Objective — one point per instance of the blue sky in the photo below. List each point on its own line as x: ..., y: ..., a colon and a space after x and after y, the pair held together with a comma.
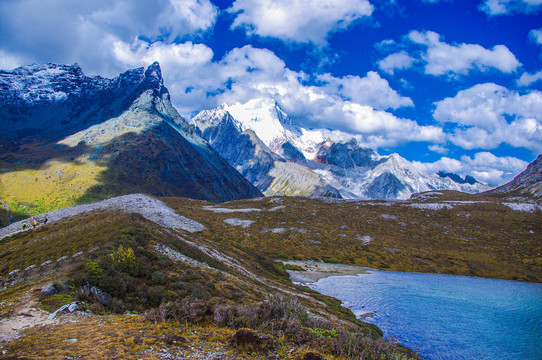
x: 452, y: 85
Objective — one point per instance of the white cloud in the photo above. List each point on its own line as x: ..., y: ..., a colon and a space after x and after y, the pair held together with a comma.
x: 444, y: 59
x: 396, y: 61
x: 10, y: 61
x: 488, y: 115
x: 484, y: 166
x: 67, y: 31
x: 527, y: 79
x: 536, y: 36
x: 300, y: 21
x: 508, y: 7
x: 439, y: 149
x: 346, y: 104
x: 371, y: 90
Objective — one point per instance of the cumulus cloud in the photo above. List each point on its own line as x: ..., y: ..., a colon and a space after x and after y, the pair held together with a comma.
x: 396, y: 61
x: 450, y: 59
x: 487, y: 115
x: 352, y: 104
x: 484, y: 166
x: 527, y: 79
x: 508, y: 7
x: 68, y: 31
x: 438, y: 58
x: 371, y: 90
x: 298, y: 21
x: 10, y: 61
x: 439, y: 149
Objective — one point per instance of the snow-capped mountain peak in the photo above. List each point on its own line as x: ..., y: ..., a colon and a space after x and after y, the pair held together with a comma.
x: 265, y: 117
x: 353, y: 169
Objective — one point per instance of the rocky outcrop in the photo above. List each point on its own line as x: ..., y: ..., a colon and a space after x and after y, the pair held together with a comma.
x: 529, y: 182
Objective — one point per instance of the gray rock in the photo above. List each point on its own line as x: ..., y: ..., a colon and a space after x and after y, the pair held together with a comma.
x: 100, y: 295
x: 48, y: 290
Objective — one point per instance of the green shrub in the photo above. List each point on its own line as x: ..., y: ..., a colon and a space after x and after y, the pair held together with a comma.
x: 93, y: 271
x: 330, y: 333
x: 330, y: 260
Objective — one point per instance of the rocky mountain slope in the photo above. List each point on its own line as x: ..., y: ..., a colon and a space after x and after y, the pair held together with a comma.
x: 529, y: 182
x: 69, y: 138
x: 343, y: 169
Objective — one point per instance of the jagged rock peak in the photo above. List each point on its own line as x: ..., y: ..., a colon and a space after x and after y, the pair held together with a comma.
x: 153, y: 75
x: 45, y: 83
x: 458, y: 179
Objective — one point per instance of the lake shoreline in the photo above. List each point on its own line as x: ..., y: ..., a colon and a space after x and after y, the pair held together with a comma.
x: 314, y: 271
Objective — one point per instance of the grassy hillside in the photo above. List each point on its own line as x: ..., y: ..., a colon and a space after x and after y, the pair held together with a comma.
x: 193, y: 300
x: 452, y: 233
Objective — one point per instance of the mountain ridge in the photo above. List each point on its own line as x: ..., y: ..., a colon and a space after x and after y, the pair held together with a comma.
x: 528, y: 182
x: 71, y: 138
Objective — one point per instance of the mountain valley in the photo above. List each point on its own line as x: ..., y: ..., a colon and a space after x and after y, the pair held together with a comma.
x: 128, y: 232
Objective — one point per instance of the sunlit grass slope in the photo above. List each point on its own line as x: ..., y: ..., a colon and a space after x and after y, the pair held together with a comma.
x: 55, y: 184
x: 454, y: 233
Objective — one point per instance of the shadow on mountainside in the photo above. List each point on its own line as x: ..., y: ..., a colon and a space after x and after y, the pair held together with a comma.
x: 157, y: 161
x: 161, y: 162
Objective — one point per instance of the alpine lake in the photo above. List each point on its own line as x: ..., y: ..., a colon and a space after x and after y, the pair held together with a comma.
x: 446, y: 317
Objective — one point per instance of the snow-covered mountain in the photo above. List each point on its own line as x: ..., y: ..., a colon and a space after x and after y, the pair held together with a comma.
x: 354, y: 170
x: 244, y: 150
x: 105, y: 137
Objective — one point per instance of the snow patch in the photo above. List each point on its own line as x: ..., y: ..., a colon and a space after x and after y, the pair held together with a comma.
x: 365, y: 239
x: 277, y: 208
x: 274, y: 230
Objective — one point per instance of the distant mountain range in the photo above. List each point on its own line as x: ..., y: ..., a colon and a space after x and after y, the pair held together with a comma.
x: 67, y: 138
x: 261, y: 141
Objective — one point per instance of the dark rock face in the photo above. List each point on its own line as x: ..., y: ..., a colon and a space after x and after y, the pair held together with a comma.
x: 291, y: 153
x: 529, y: 182
x: 347, y: 155
x: 467, y: 180
x: 127, y: 124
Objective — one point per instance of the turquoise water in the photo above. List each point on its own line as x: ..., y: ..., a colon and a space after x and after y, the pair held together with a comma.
x: 447, y: 317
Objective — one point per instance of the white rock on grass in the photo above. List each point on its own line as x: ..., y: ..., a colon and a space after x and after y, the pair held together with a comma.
x: 239, y: 222
x: 526, y: 207
x: 227, y: 210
